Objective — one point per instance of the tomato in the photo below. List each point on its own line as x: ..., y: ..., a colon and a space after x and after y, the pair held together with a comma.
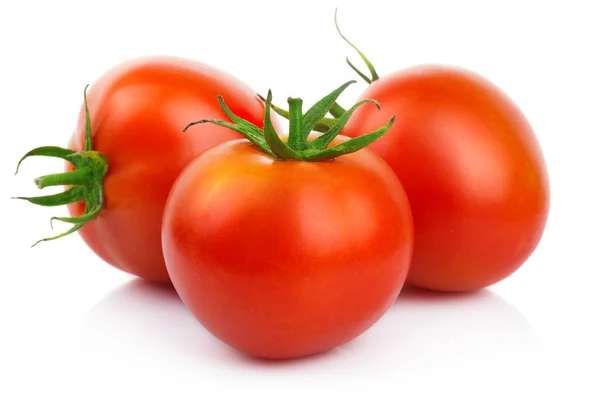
x: 473, y: 171
x: 138, y: 111
x: 286, y: 258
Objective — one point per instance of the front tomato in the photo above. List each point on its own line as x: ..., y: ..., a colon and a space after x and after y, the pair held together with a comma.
x: 282, y: 257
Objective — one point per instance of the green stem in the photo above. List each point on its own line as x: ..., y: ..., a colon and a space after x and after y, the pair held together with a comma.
x: 77, y: 177
x: 322, y: 126
x: 374, y: 75
x: 281, y: 150
x: 88, y: 122
x: 314, y: 119
x: 296, y: 141
x: 337, y: 110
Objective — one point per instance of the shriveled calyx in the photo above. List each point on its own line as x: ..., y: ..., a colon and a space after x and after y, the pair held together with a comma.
x: 85, y: 181
x: 298, y: 147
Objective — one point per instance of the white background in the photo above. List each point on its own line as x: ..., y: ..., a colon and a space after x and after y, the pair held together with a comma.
x: 74, y: 327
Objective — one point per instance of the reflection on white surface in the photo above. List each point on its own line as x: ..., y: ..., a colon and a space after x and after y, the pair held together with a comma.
x: 451, y: 336
x: 140, y: 329
x: 143, y: 331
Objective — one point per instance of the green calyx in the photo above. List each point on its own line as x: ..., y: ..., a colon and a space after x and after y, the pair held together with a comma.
x: 86, y: 181
x: 298, y: 147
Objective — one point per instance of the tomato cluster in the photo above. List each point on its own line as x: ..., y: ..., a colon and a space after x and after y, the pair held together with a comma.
x: 284, y: 244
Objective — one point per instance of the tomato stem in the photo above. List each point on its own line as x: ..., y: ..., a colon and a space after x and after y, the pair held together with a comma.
x: 281, y: 150
x: 88, y: 122
x: 296, y: 140
x: 374, y: 75
x: 337, y: 110
x: 298, y: 147
x: 322, y: 126
x: 86, y: 180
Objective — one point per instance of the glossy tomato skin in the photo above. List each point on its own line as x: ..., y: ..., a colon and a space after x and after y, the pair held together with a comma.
x: 473, y: 171
x: 138, y: 111
x: 282, y: 259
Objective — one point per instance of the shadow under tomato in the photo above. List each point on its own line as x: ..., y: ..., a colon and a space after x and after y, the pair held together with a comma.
x: 450, y: 336
x: 140, y: 328
x: 143, y: 330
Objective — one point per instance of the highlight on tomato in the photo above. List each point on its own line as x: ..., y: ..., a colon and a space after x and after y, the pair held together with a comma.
x: 288, y: 245
x: 471, y: 165
x: 128, y: 149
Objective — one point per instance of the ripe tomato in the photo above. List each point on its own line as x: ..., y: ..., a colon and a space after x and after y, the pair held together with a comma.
x: 282, y: 259
x: 473, y: 171
x: 138, y: 111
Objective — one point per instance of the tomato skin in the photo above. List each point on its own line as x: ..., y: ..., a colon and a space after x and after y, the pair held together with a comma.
x: 473, y: 171
x: 138, y: 111
x: 282, y: 259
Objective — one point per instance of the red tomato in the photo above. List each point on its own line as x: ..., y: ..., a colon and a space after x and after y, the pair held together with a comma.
x: 281, y: 259
x: 138, y: 111
x: 472, y: 169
